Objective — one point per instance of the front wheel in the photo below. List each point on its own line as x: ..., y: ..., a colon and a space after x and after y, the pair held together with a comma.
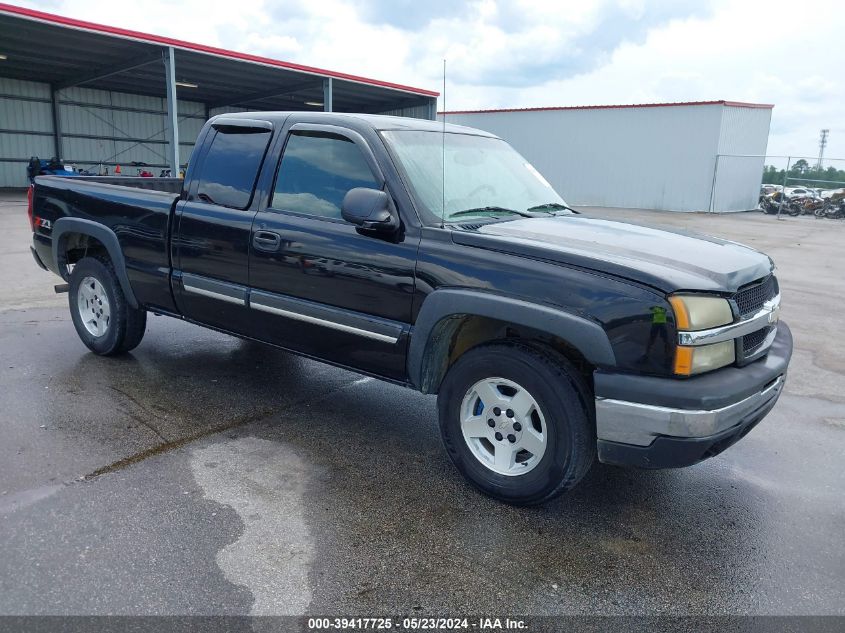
x: 517, y: 422
x: 103, y: 319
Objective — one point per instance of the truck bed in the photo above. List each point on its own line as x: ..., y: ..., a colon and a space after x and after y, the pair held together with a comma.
x: 137, y: 210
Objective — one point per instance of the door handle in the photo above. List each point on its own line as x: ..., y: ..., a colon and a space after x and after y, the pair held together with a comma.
x: 266, y: 241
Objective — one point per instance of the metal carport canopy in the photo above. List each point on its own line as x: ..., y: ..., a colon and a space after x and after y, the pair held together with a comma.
x: 65, y: 52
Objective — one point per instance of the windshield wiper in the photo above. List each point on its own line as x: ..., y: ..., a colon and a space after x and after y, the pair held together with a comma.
x: 489, y: 209
x: 552, y: 206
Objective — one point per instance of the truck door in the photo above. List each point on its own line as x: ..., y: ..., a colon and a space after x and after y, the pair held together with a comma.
x: 317, y: 285
x: 212, y: 231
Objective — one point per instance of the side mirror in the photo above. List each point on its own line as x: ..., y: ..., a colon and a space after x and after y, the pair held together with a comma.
x: 369, y: 210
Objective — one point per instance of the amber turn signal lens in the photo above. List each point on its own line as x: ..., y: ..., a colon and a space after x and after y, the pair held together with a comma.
x: 690, y: 361
x: 683, y: 360
x: 681, y: 314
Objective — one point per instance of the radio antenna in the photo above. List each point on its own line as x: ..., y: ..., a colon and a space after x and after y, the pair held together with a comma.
x: 443, y: 155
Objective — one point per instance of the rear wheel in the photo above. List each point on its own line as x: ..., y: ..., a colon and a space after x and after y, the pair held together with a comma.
x: 103, y: 318
x: 517, y: 422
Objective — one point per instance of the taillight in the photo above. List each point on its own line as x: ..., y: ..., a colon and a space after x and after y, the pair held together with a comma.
x: 30, y: 195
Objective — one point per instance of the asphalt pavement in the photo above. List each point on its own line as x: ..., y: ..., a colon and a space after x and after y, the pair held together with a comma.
x: 202, y: 474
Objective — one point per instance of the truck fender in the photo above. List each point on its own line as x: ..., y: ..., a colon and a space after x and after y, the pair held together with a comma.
x: 440, y: 306
x: 103, y: 234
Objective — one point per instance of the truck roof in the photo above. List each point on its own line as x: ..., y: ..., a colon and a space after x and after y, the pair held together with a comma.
x: 374, y: 121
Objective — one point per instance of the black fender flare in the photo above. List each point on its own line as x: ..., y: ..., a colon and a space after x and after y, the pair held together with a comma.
x: 103, y: 234
x: 585, y: 335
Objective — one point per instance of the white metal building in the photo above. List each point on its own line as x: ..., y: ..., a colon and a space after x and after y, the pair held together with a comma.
x: 97, y: 96
x: 699, y: 156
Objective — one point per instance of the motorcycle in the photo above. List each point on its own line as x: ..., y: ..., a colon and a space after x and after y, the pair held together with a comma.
x: 770, y: 203
x: 804, y: 205
x: 832, y: 209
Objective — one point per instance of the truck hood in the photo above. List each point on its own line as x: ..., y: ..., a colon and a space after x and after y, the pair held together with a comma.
x: 665, y: 259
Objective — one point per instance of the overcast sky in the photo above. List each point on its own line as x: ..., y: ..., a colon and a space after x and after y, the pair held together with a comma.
x: 520, y: 53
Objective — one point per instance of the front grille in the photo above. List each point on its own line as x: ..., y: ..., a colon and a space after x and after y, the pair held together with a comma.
x: 750, y: 299
x: 750, y: 342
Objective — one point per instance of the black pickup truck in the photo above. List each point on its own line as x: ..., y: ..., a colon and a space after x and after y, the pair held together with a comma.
x: 441, y: 260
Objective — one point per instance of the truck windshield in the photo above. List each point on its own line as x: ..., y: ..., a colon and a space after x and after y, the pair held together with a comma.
x: 485, y: 177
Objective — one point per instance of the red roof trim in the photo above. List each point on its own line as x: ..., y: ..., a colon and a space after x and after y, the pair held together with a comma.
x: 201, y: 48
x: 737, y: 104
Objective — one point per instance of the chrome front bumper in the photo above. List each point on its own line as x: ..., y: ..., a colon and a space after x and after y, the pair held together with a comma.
x: 655, y: 422
x: 639, y: 424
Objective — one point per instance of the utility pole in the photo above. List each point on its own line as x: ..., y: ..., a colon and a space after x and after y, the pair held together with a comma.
x: 822, y: 145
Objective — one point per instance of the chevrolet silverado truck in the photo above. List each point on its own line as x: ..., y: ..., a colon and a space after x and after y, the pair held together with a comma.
x: 437, y: 258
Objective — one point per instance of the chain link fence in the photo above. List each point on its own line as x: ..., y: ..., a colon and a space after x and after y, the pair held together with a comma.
x: 735, y: 174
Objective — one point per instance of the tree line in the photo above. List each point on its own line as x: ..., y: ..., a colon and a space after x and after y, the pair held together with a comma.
x: 802, y: 173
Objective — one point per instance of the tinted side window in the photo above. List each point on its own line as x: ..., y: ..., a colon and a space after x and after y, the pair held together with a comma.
x: 317, y: 170
x: 231, y: 167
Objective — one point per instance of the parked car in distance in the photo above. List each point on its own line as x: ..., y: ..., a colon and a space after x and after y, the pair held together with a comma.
x: 550, y: 338
x: 800, y: 192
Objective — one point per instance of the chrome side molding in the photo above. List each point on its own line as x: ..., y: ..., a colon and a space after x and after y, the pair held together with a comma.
x: 298, y: 316
x: 294, y: 308
x: 230, y: 293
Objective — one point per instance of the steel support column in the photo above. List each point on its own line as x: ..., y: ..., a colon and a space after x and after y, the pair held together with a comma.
x: 57, y: 122
x: 172, y: 113
x: 327, y: 94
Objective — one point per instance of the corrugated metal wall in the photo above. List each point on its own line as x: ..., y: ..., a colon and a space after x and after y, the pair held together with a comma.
x: 99, y: 129
x: 649, y: 158
x: 424, y: 111
x: 743, y: 140
x: 646, y: 157
x: 111, y: 128
x: 26, y: 128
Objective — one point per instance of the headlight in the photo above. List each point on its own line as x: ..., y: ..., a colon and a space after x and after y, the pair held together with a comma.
x: 700, y: 312
x: 697, y: 360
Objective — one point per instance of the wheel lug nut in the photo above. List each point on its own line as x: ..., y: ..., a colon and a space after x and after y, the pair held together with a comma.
x: 517, y: 426
x: 497, y: 411
x: 498, y: 436
x: 491, y: 423
x: 512, y: 438
x: 509, y: 413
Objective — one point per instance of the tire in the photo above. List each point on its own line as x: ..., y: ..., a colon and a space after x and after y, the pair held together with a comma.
x: 539, y: 401
x: 104, y: 320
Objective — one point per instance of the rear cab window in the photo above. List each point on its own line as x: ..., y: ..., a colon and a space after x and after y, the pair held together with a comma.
x: 230, y: 167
